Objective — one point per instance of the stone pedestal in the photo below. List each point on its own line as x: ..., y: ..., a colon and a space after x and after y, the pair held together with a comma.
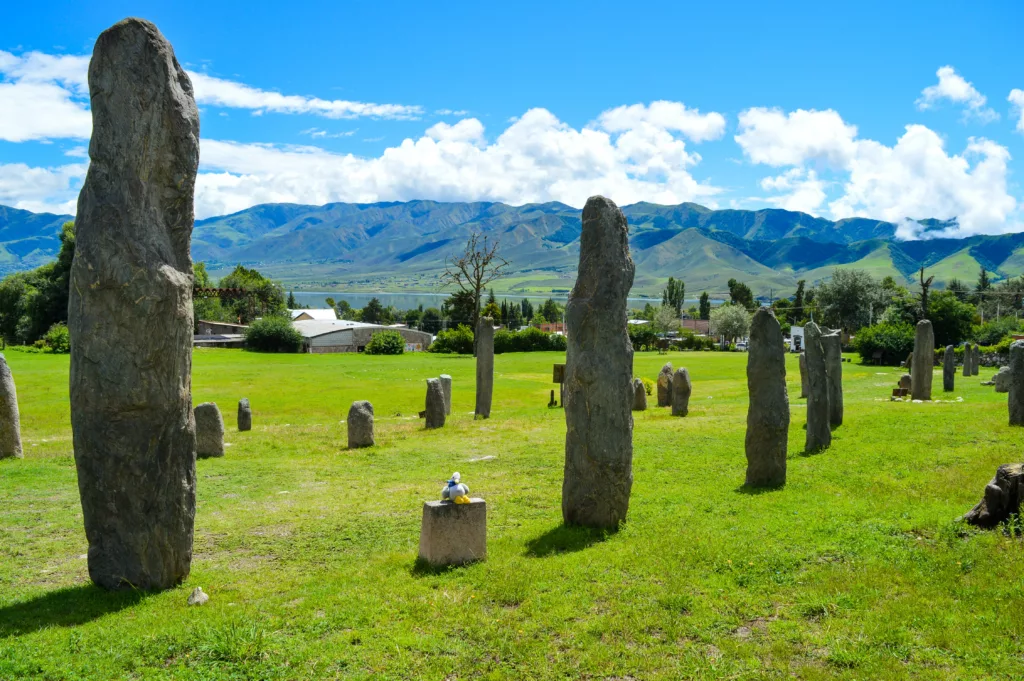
x: 453, y: 534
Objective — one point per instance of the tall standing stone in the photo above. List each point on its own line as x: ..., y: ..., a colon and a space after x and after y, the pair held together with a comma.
x: 446, y: 387
x: 130, y: 314
x: 209, y: 431
x: 244, y: 415
x: 976, y: 360
x: 10, y: 420
x: 831, y: 343
x: 360, y: 425
x: 803, y: 375
x: 924, y: 362
x: 1016, y: 396
x: 639, y: 395
x: 435, y: 403
x: 768, y: 412
x: 484, y: 367
x: 682, y: 388
x: 968, y: 356
x: 819, y: 414
x: 665, y: 385
x: 949, y: 369
x: 598, y: 368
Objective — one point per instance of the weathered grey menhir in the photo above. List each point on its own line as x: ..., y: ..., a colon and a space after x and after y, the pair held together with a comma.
x: 130, y: 313
x: 360, y: 425
x: 1015, y: 399
x: 598, y: 368
x: 819, y: 413
x: 1002, y: 498
x: 244, y: 415
x: 924, y: 361
x: 682, y: 388
x: 803, y: 375
x: 665, y: 385
x: 10, y: 420
x: 434, y: 411
x: 484, y: 367
x: 453, y: 534
x: 949, y: 369
x: 831, y: 343
x: 767, y: 439
x: 639, y: 395
x: 209, y: 431
x: 446, y: 388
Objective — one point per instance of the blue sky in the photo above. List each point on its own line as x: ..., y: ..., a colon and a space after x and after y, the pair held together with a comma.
x: 886, y: 110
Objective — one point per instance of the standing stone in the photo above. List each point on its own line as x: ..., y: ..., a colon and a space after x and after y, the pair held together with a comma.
x: 905, y: 382
x: 598, y: 368
x: 910, y: 363
x: 1016, y: 396
x: 435, y: 403
x: 209, y: 431
x: 976, y: 360
x: 819, y: 433
x: 681, y: 390
x: 639, y: 395
x: 1002, y: 380
x: 360, y: 425
x: 484, y: 367
x: 803, y: 375
x: 949, y: 369
x: 10, y: 421
x: 665, y: 385
x: 244, y: 414
x: 768, y: 412
x: 130, y: 314
x: 1002, y: 498
x: 968, y: 356
x: 924, y: 362
x: 446, y: 386
x: 831, y: 343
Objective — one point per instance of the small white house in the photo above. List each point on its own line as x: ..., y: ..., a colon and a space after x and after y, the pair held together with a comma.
x: 796, y: 339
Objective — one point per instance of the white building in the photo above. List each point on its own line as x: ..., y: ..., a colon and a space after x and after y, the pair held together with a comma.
x: 342, y: 335
x: 319, y: 314
x: 796, y: 339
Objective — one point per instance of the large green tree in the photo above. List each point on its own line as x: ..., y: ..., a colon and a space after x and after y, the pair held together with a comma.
x: 740, y: 294
x: 258, y: 297
x: 705, y: 306
x: 32, y: 302
x: 674, y: 295
x: 845, y: 301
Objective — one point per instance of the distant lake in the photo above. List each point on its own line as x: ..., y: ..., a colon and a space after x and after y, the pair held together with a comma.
x: 405, y: 301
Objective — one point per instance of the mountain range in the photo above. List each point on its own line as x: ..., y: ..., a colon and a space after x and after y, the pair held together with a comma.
x: 403, y: 245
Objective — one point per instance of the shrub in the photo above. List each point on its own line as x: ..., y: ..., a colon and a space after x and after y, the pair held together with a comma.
x: 58, y: 339
x: 527, y: 340
x: 385, y: 343
x: 991, y: 333
x: 458, y: 340
x: 648, y: 386
x: 273, y: 334
x: 894, y: 339
x: 643, y: 337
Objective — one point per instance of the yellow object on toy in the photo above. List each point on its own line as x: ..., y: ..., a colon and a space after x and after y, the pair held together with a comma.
x: 462, y: 499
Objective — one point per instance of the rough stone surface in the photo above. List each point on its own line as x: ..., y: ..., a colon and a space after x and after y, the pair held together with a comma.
x: 768, y: 412
x: 446, y: 387
x: 910, y: 363
x: 130, y: 314
x: 360, y: 425
x: 819, y: 433
x: 803, y: 375
x: 453, y: 534
x: 905, y: 381
x: 484, y: 367
x: 434, y: 412
x: 949, y: 369
x: 976, y: 360
x: 598, y: 370
x: 924, y: 361
x: 198, y: 596
x: 209, y: 431
x: 1016, y: 396
x: 244, y: 414
x: 639, y: 395
x: 831, y: 343
x: 682, y: 388
x: 665, y: 385
x: 10, y: 421
x: 968, y: 358
x: 1002, y: 498
x: 1002, y: 380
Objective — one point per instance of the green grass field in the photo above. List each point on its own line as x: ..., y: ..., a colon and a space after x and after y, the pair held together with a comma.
x: 855, y: 569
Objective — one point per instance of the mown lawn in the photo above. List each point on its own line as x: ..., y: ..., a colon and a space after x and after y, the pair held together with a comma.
x: 855, y: 569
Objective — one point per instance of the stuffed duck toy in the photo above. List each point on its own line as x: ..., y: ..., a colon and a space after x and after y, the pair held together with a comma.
x: 454, y: 490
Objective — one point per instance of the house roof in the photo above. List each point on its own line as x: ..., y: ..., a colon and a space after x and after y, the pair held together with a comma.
x: 310, y: 328
x: 236, y: 326
x: 318, y: 314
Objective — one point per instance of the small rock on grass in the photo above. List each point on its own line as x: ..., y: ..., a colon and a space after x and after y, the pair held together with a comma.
x: 198, y: 596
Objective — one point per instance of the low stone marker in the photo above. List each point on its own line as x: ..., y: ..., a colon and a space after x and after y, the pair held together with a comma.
x: 819, y: 432
x: 1016, y: 396
x: 1002, y: 380
x: 639, y: 395
x: 665, y: 385
x: 244, y: 414
x: 968, y: 356
x: 360, y: 425
x: 949, y: 369
x: 434, y: 413
x: 446, y: 388
x: 484, y: 367
x: 924, y: 361
x: 905, y: 382
x: 1002, y: 498
x: 767, y: 436
x: 682, y: 388
x: 10, y: 421
x: 453, y: 534
x: 803, y: 375
x: 209, y: 431
x: 831, y: 343
x: 976, y: 360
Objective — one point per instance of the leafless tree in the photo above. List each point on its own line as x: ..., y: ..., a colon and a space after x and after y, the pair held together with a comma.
x: 925, y: 285
x: 472, y: 270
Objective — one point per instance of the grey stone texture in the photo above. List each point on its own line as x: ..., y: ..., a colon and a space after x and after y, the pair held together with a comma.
x: 446, y: 387
x: 639, y: 395
x: 803, y: 375
x: 767, y: 437
x: 682, y: 388
x: 831, y: 343
x: 360, y: 425
x: 1016, y: 391
x: 598, y: 389
x: 209, y: 431
x: 1002, y: 380
x: 10, y: 420
x: 949, y: 369
x: 976, y: 360
x: 968, y: 358
x: 1002, y: 497
x: 819, y: 413
x: 434, y: 412
x: 665, y: 385
x: 484, y: 367
x: 244, y: 415
x: 924, y: 361
x: 453, y: 534
x: 130, y: 314
x: 905, y: 381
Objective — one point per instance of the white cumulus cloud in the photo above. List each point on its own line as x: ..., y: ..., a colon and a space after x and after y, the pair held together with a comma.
x: 775, y: 138
x: 1016, y: 100
x: 671, y: 116
x: 952, y: 87
x: 804, y: 192
x: 41, y: 190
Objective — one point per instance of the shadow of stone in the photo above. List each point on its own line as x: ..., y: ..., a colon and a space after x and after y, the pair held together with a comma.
x: 67, y: 607
x: 421, y: 568
x: 754, y: 491
x: 565, y: 539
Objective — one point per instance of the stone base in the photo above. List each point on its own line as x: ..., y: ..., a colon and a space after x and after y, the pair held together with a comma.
x: 453, y: 534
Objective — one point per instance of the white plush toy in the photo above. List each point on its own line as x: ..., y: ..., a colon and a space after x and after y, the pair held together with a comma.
x: 454, y: 490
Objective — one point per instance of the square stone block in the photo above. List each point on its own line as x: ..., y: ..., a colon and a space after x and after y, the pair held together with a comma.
x: 453, y: 534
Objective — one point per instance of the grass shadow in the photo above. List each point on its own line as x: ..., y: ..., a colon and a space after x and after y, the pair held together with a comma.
x: 67, y: 607
x: 754, y: 491
x: 565, y: 539
x: 422, y: 568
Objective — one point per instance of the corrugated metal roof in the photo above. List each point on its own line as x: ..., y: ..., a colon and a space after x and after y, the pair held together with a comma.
x: 318, y: 314
x: 310, y: 328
